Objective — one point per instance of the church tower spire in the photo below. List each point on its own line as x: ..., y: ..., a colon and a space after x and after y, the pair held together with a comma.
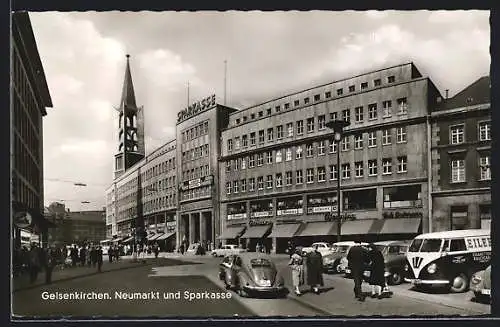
x: 130, y: 127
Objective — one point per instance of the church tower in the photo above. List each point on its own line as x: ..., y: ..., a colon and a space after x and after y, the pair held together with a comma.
x: 130, y: 127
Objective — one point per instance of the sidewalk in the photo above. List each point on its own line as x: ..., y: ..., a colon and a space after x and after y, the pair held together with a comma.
x: 68, y: 273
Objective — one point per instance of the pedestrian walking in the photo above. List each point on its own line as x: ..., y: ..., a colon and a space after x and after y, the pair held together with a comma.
x: 377, y: 271
x: 49, y: 264
x: 314, y: 264
x: 356, y: 259
x: 34, y: 262
x: 93, y: 256
x: 99, y: 259
x: 83, y: 253
x: 157, y: 250
x: 181, y: 248
x: 296, y: 263
x: 111, y: 254
x: 74, y: 256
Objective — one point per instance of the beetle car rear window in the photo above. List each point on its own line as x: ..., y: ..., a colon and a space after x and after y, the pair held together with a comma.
x: 260, y: 263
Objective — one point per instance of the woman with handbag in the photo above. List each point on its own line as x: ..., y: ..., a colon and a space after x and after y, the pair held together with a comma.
x: 296, y: 263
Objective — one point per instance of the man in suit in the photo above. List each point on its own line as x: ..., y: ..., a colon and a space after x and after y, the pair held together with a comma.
x: 99, y: 258
x: 357, y: 258
x: 314, y: 265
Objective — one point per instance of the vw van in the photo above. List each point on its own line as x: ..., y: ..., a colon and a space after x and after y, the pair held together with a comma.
x: 448, y: 259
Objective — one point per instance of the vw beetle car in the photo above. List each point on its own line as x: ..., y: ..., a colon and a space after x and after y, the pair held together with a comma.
x: 394, y: 253
x: 251, y: 273
x: 480, y: 284
x: 227, y: 250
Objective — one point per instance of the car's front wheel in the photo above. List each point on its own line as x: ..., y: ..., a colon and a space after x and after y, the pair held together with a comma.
x: 242, y: 292
x: 459, y: 284
x: 395, y: 278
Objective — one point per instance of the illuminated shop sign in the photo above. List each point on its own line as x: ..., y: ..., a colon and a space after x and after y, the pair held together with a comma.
x: 286, y: 212
x: 203, y: 181
x: 478, y: 243
x: 196, y: 108
x: 322, y: 209
x: 237, y: 216
x: 260, y: 214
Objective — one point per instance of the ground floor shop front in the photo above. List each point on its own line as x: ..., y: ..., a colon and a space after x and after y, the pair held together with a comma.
x: 275, y: 237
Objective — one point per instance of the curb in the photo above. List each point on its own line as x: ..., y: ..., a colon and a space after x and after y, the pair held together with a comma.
x: 79, y: 276
x: 304, y: 303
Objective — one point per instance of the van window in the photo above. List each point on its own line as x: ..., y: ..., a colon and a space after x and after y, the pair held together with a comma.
x: 431, y: 245
x: 457, y: 245
x: 415, y: 245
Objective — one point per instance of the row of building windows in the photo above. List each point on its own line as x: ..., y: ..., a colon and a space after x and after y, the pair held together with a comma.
x: 320, y: 148
x: 288, y: 129
x: 195, y: 131
x: 162, y: 168
x: 167, y: 184
x: 25, y: 165
x: 160, y: 203
x: 25, y: 195
x: 196, y: 153
x: 26, y: 129
x: 197, y: 172
x: 317, y: 97
x: 457, y: 132
x: 319, y: 174
x: 195, y: 193
x: 458, y: 169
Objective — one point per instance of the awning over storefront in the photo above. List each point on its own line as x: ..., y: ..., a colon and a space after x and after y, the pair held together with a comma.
x: 119, y: 239
x: 256, y: 231
x: 284, y: 230
x: 165, y: 236
x: 154, y: 236
x: 362, y: 227
x: 401, y: 226
x: 231, y: 232
x: 319, y: 228
x: 128, y: 239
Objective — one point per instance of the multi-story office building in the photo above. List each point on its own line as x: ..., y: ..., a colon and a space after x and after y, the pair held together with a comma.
x: 75, y: 227
x: 461, y: 159
x: 29, y: 99
x: 198, y: 149
x: 279, y: 169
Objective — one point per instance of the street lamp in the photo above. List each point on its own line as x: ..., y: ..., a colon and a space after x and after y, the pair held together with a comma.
x: 338, y: 128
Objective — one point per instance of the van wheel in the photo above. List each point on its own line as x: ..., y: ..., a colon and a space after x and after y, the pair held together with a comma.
x: 459, y: 284
x: 395, y: 278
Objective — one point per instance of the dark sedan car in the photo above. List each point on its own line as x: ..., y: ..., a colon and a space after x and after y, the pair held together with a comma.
x: 394, y: 253
x: 250, y: 274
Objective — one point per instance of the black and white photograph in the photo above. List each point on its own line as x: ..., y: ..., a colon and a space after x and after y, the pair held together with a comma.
x: 237, y: 164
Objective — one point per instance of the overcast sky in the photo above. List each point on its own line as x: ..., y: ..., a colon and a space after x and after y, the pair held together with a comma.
x: 269, y: 54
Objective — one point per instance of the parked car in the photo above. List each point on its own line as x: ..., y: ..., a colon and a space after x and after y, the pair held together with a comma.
x: 394, y: 253
x: 332, y: 261
x: 323, y: 248
x: 480, y: 284
x: 226, y: 250
x: 251, y: 273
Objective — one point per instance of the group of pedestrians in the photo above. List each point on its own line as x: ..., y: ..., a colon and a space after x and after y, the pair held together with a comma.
x: 308, y: 268
x: 86, y: 255
x: 360, y: 259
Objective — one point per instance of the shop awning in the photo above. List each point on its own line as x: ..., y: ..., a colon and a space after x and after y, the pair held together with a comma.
x: 401, y: 226
x: 128, y: 239
x: 362, y: 227
x: 231, y: 232
x: 119, y: 239
x: 319, y: 228
x: 165, y: 236
x: 284, y: 230
x: 154, y: 236
x: 256, y: 231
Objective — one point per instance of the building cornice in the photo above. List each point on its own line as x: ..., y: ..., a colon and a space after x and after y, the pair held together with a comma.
x: 465, y: 191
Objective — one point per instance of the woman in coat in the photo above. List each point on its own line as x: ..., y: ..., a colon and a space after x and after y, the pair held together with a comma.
x: 314, y: 266
x: 296, y: 264
x: 377, y: 271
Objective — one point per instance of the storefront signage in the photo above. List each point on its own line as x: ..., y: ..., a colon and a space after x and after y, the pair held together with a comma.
x: 401, y: 214
x: 171, y: 223
x: 23, y: 219
x: 286, y: 212
x: 207, y: 180
x: 196, y: 108
x: 333, y: 217
x: 322, y: 209
x: 259, y: 222
x: 237, y: 216
x: 259, y: 214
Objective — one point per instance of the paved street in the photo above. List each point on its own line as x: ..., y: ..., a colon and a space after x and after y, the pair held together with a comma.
x: 199, y: 274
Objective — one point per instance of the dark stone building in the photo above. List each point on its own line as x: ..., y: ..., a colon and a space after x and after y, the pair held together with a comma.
x: 29, y: 95
x: 461, y: 159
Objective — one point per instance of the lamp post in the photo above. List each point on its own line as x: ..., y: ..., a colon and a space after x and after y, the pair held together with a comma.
x: 338, y: 128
